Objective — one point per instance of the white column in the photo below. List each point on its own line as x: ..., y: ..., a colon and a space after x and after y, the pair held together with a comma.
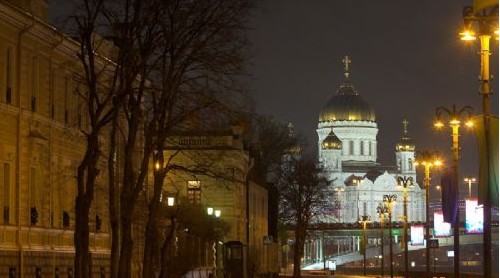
x: 321, y: 248
x: 316, y: 250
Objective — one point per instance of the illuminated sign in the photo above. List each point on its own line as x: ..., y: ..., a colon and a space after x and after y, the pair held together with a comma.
x: 473, y: 217
x: 417, y: 235
x: 441, y: 228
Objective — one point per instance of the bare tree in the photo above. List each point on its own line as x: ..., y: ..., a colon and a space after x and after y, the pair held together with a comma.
x: 270, y: 139
x: 100, y: 112
x: 171, y: 60
x: 199, y: 63
x: 304, y: 191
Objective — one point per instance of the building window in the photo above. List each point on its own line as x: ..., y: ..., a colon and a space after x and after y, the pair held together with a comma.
x: 51, y: 93
x: 194, y: 192
x: 370, y: 148
x: 66, y: 100
x: 362, y: 147
x: 351, y: 147
x: 33, y: 189
x: 8, y: 77
x: 34, y: 83
x: 410, y: 164
x: 6, y: 192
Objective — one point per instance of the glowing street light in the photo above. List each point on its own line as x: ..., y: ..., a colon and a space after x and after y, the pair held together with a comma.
x: 468, y: 35
x: 485, y: 14
x: 456, y: 117
x: 170, y: 201
x: 427, y: 160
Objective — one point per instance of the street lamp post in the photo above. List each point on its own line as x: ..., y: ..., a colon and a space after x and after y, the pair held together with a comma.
x: 405, y: 182
x: 214, y: 214
x: 487, y: 20
x: 389, y: 201
x: 456, y: 116
x: 364, y: 220
x: 428, y: 160
x: 470, y: 180
x: 382, y: 210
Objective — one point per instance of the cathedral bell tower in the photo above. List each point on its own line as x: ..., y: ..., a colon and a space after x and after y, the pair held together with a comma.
x: 405, y: 152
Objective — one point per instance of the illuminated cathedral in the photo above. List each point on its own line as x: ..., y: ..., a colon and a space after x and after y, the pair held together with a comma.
x: 347, y: 148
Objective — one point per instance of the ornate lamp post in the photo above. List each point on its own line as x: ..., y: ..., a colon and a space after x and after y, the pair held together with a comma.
x: 405, y: 182
x: 428, y: 160
x: 389, y: 201
x: 470, y: 180
x: 486, y: 17
x: 382, y: 210
x: 456, y: 117
x: 364, y: 220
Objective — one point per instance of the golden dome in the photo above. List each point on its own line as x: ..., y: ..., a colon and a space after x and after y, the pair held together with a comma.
x: 347, y: 105
x: 331, y: 142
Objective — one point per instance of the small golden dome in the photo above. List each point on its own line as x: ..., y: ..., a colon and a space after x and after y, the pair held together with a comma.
x: 405, y: 144
x: 331, y: 142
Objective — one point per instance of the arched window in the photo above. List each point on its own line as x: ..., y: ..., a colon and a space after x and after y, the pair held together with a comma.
x: 410, y: 164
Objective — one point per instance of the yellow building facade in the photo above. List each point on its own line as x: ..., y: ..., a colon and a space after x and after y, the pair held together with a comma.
x: 223, y: 183
x: 41, y: 145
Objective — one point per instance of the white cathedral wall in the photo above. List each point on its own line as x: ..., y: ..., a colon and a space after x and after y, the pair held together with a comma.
x: 353, y: 198
x: 404, y: 161
x: 360, y: 132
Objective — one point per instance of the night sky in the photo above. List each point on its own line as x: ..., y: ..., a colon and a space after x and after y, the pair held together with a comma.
x: 407, y: 60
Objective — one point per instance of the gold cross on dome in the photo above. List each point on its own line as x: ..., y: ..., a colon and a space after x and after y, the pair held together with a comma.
x: 290, y: 129
x: 405, y: 126
x: 346, y: 62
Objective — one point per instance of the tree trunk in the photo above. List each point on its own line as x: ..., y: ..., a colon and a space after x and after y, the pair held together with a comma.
x: 127, y: 244
x: 86, y: 176
x: 165, y: 249
x: 151, y: 244
x: 81, y: 238
x: 114, y: 217
x: 300, y: 236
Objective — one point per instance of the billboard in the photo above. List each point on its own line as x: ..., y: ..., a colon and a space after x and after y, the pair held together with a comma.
x: 417, y: 235
x: 473, y: 217
x: 441, y: 228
